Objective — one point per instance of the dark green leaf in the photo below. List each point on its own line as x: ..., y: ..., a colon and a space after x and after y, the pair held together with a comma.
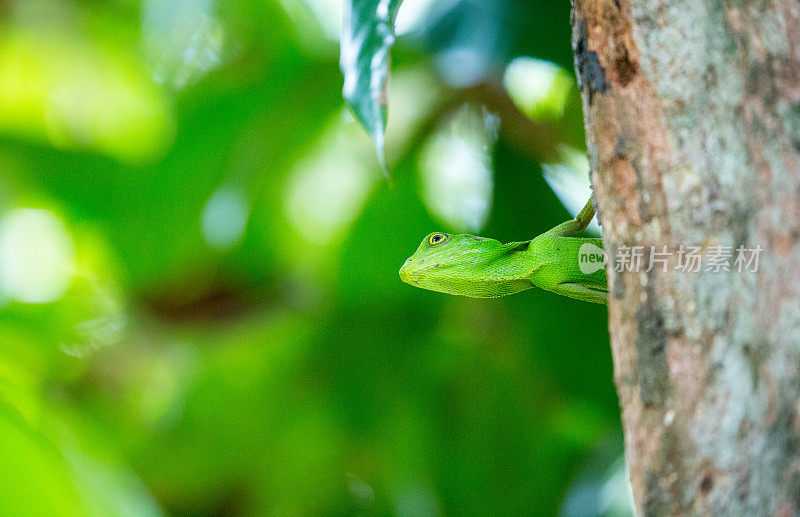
x: 367, y: 38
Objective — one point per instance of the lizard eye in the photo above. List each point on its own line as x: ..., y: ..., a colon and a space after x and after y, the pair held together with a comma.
x: 437, y: 238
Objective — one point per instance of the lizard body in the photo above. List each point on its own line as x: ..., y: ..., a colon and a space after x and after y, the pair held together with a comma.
x: 474, y: 266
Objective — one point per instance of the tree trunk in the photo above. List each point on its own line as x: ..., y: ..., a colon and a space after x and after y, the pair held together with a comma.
x: 692, y: 112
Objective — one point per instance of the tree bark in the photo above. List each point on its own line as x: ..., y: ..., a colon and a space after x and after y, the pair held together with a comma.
x: 692, y: 115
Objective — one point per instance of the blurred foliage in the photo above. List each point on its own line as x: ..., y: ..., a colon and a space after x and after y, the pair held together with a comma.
x: 199, y: 304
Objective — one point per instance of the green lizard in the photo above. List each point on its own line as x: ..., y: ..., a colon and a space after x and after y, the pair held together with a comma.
x: 485, y: 268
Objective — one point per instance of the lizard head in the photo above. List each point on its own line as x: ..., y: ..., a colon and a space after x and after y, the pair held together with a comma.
x: 462, y: 264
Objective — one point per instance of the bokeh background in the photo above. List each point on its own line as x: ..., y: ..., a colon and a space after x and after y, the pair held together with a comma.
x: 200, y: 311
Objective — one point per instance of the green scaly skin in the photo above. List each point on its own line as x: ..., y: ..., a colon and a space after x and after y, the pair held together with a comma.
x: 474, y: 266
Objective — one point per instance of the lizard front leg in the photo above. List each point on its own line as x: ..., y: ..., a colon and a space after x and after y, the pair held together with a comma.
x: 580, y: 222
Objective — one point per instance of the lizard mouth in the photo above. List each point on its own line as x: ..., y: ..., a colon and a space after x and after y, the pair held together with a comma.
x: 406, y: 273
x: 413, y: 272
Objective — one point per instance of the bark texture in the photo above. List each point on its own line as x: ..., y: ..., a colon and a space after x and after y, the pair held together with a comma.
x: 692, y: 113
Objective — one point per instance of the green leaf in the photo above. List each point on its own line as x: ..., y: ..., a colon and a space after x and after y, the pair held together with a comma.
x: 367, y: 37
